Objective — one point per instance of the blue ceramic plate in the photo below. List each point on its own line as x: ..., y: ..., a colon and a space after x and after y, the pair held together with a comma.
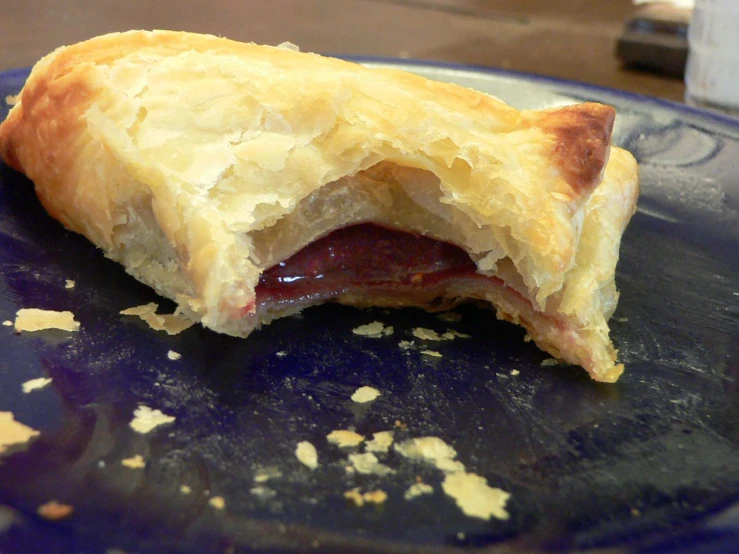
x: 650, y: 464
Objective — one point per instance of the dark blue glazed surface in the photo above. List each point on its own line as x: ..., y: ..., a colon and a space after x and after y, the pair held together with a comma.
x: 650, y: 464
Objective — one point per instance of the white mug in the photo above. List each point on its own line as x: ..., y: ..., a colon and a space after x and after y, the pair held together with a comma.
x: 712, y: 73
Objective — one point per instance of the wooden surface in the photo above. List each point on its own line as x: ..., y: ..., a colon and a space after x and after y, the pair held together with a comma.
x: 570, y: 39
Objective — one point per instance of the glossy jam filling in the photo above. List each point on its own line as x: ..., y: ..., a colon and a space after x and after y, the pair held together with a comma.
x: 364, y: 255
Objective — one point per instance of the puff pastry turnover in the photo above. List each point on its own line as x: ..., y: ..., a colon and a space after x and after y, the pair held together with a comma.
x: 247, y: 182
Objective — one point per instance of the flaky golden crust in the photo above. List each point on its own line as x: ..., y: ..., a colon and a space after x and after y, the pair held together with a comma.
x: 198, y: 162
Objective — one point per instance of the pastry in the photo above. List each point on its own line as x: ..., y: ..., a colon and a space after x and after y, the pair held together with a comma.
x: 248, y: 182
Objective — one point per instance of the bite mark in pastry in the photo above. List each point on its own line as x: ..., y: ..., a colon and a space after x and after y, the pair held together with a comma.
x: 227, y: 175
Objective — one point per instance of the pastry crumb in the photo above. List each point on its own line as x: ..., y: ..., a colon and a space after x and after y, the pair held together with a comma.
x: 620, y: 319
x: 549, y: 362
x: 426, y: 334
x: 418, y: 489
x: 374, y: 330
x: 377, y: 496
x: 69, y: 284
x: 365, y: 394
x: 54, y: 510
x: 34, y: 319
x: 135, y: 462
x: 452, y: 334
x: 35, y: 384
x: 355, y: 496
x: 381, y: 442
x: 449, y: 317
x: 281, y: 354
x: 515, y: 372
x: 12, y: 99
x: 432, y: 353
x: 368, y: 464
x: 218, y: 502
x: 527, y: 338
x: 345, y: 439
x: 13, y: 433
x: 431, y: 335
x: 145, y: 419
x: 101, y: 464
x: 172, y: 324
x: 7, y: 323
x: 475, y: 497
x: 263, y: 492
x: 264, y: 475
x: 432, y: 450
x: 406, y: 344
x: 185, y: 489
x: 172, y: 355
x: 307, y: 454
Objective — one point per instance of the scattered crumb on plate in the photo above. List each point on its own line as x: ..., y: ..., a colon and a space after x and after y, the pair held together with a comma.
x: 307, y: 455
x: 263, y: 492
x: 13, y: 433
x: 515, y: 372
x: 426, y: 334
x: 69, y: 284
x: 475, y: 497
x: 365, y: 394
x: 7, y: 323
x: 12, y: 99
x: 173, y: 324
x: 377, y: 496
x: 185, y: 489
x: 172, y: 355
x: 355, y: 496
x: 406, y: 344
x: 54, y: 510
x: 33, y: 319
x: 452, y: 334
x: 550, y: 362
x: 265, y: 474
x: 418, y: 489
x: 145, y: 419
x: 35, y: 384
x: 218, y: 502
x: 374, y: 330
x: 429, y: 334
x: 368, y: 464
x: 344, y: 438
x: 449, y: 317
x: 135, y: 462
x: 381, y: 442
x: 281, y: 354
x: 432, y: 353
x: 432, y: 450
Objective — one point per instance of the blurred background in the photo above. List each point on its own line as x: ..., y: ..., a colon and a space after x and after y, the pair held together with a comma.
x: 614, y: 43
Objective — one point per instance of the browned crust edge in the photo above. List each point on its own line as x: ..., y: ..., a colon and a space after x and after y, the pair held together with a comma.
x: 582, y: 140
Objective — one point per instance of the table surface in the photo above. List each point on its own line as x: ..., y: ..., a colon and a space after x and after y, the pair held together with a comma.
x: 569, y: 39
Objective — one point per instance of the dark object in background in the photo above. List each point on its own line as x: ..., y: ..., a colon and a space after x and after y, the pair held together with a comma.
x: 656, y: 39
